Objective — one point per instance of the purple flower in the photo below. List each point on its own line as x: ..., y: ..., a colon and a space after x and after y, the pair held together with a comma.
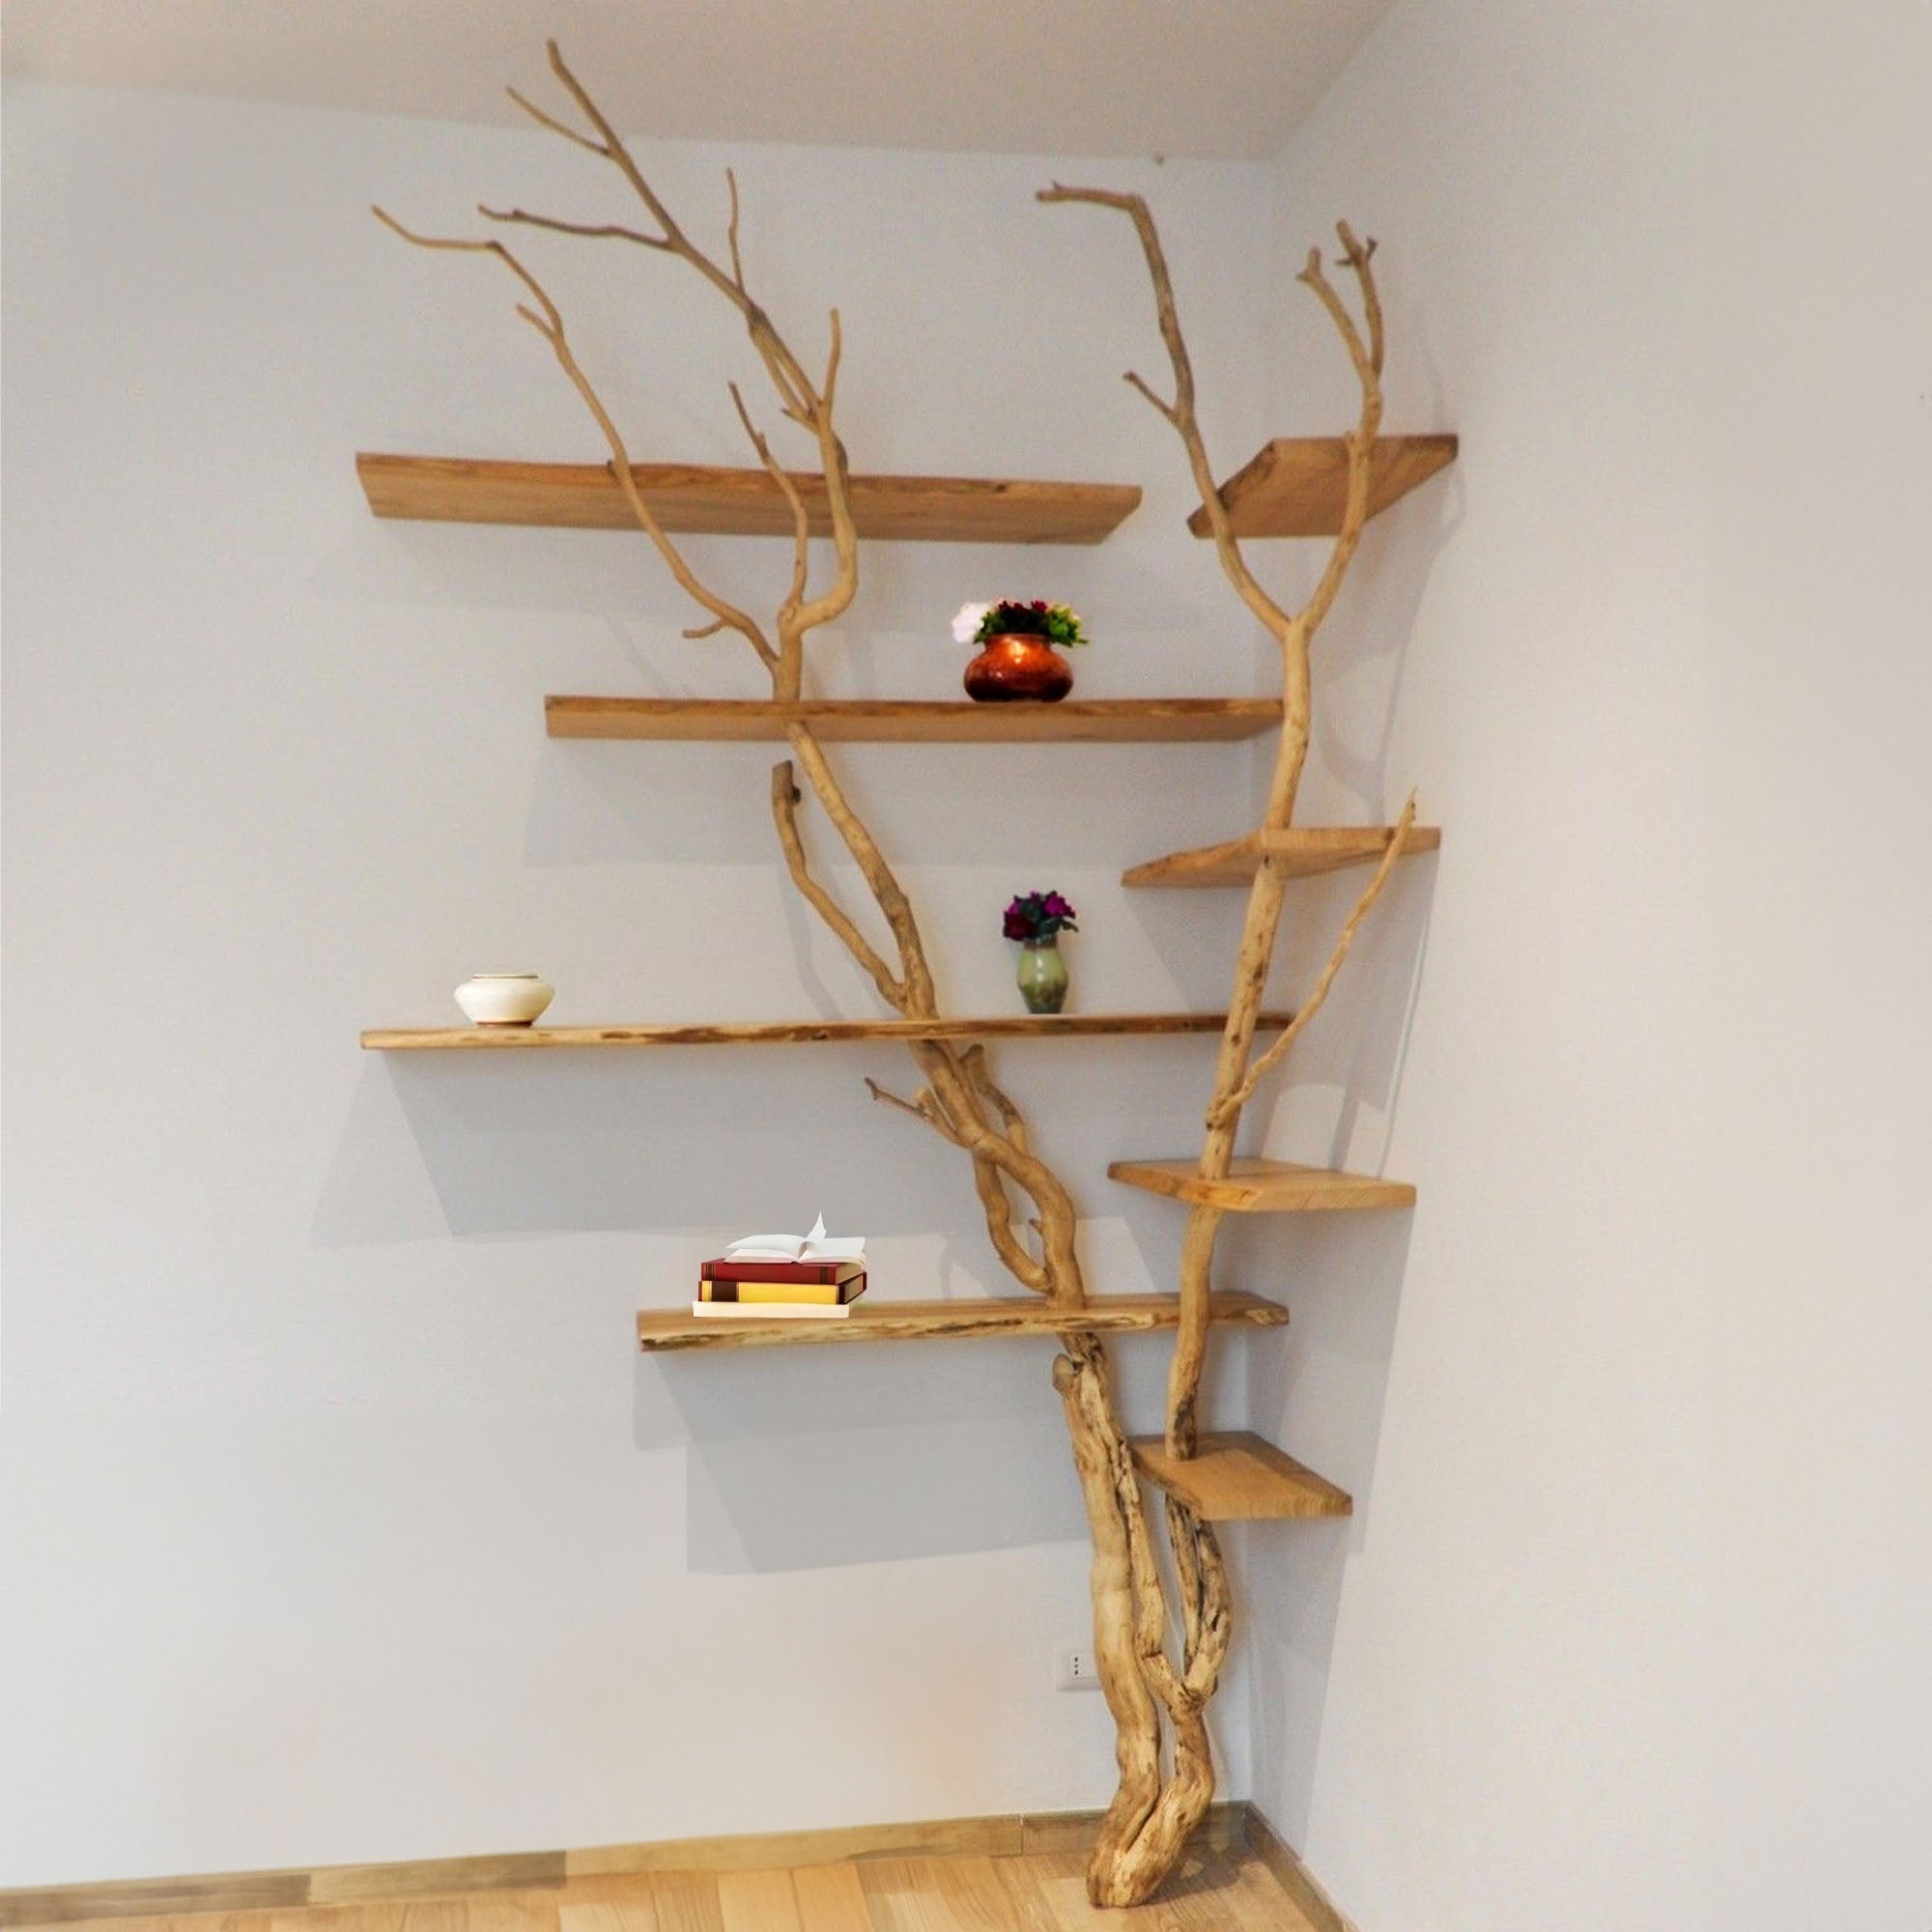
x: 1039, y: 915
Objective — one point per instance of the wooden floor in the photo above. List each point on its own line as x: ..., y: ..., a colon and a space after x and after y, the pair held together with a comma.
x: 1214, y: 1892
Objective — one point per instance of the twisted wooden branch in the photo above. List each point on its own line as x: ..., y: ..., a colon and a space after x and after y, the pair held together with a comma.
x: 786, y: 797
x: 1128, y: 1863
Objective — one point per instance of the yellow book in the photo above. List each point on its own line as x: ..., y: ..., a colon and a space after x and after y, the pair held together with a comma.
x: 827, y: 1293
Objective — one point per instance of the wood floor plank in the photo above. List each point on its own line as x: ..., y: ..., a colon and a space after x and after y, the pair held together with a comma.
x: 1197, y: 1898
x: 374, y: 1917
x: 971, y: 1890
x: 629, y: 1906
x: 435, y: 1915
x: 686, y: 1901
x: 518, y: 1912
x: 757, y: 1901
x: 914, y: 1896
x: 1260, y: 1900
x: 830, y: 1899
x: 1026, y: 1903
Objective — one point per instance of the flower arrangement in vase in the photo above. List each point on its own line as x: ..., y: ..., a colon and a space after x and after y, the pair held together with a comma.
x: 1036, y: 919
x: 1020, y: 646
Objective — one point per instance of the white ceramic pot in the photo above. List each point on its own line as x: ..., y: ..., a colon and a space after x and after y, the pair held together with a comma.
x: 504, y: 999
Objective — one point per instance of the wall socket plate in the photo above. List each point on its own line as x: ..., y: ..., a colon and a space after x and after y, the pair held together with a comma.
x: 1074, y: 1668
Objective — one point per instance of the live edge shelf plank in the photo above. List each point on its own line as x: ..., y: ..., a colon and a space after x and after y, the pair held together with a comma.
x: 881, y: 720
x: 663, y: 1328
x: 705, y: 500
x: 1309, y: 849
x: 1296, y: 486
x: 1238, y: 1477
x: 1264, y: 1186
x: 793, y: 1032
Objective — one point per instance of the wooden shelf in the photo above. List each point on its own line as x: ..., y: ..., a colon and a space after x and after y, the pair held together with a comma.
x: 1119, y: 721
x: 1296, y: 486
x: 1308, y: 848
x: 701, y: 499
x: 1264, y: 1186
x: 1238, y: 1478
x: 961, y: 1320
x: 793, y: 1032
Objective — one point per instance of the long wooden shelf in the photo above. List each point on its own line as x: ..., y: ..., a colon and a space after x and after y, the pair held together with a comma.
x: 961, y: 1320
x: 1264, y: 1186
x: 1309, y: 849
x: 793, y: 1032
x: 705, y: 500
x: 1238, y: 1477
x: 1118, y: 720
x: 1296, y: 486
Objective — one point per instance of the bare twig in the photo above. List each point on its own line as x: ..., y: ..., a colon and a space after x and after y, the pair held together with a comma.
x: 786, y: 797
x: 922, y: 1107
x: 1230, y: 1105
x: 1140, y: 1839
x: 548, y: 321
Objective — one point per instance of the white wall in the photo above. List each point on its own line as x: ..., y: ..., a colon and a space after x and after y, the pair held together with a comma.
x: 1631, y: 1626
x: 341, y: 1520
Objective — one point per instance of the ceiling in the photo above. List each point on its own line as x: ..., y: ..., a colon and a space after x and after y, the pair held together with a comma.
x: 1225, y: 78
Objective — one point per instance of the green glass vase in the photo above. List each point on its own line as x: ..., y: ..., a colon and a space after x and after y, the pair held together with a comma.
x: 1043, y: 975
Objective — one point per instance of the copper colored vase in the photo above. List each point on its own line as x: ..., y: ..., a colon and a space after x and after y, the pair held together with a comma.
x: 1019, y: 664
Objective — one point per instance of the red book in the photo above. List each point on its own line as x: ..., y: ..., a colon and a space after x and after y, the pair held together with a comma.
x: 807, y: 1272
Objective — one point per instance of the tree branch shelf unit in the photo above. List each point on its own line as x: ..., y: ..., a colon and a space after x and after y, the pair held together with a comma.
x: 1115, y: 721
x: 988, y: 1317
x: 1296, y: 486
x: 1235, y: 1476
x: 1253, y: 1187
x: 710, y: 500
x: 1292, y: 487
x: 792, y: 1033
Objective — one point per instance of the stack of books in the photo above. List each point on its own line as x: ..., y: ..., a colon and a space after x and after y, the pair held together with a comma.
x: 814, y: 1277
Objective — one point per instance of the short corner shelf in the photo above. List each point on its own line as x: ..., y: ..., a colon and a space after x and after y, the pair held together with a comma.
x: 704, y: 499
x: 661, y: 1330
x: 1296, y: 486
x: 1264, y: 1186
x: 1119, y: 721
x: 1238, y: 1477
x: 1309, y: 849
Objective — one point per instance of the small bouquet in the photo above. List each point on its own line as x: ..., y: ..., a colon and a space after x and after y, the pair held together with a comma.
x: 1033, y: 917
x: 1017, y: 656
x: 981, y: 623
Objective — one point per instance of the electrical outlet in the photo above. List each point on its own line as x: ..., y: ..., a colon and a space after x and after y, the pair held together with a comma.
x: 1074, y: 1670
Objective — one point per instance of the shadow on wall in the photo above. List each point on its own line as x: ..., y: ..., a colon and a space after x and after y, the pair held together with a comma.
x: 877, y: 1454
x: 1321, y: 1395
x: 669, y: 1139
x: 1023, y: 807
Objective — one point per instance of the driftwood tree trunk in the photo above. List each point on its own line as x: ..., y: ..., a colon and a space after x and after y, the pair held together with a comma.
x: 1158, y: 1669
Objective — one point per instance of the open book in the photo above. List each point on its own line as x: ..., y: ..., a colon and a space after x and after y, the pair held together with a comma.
x: 816, y: 1246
